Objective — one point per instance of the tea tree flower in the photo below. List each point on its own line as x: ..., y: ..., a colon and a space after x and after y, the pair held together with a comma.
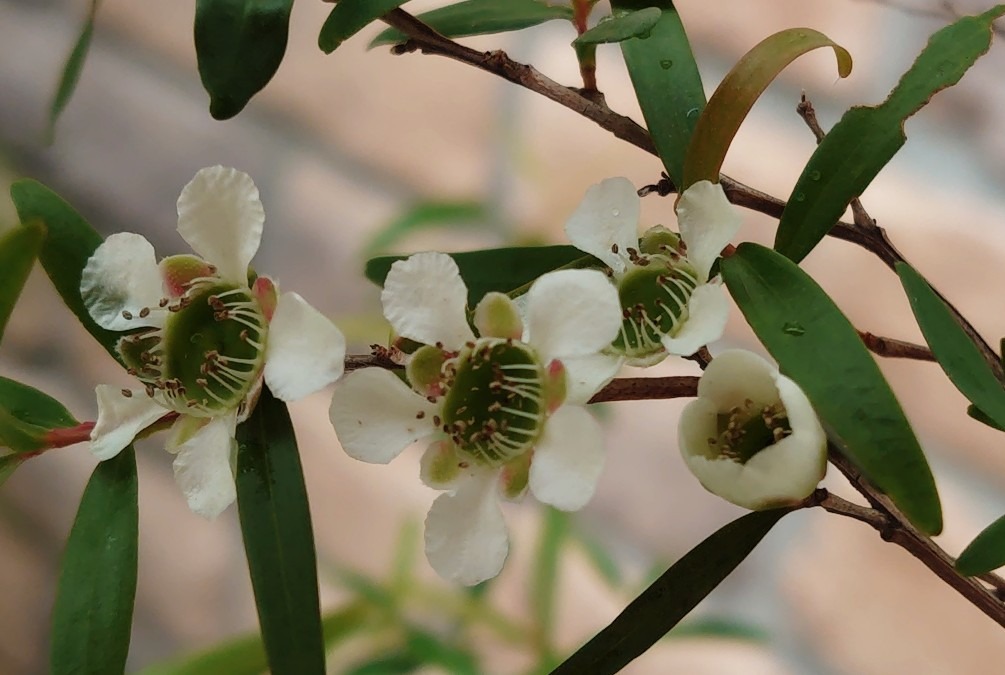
x: 751, y: 436
x: 499, y: 411
x: 668, y: 304
x: 201, y: 335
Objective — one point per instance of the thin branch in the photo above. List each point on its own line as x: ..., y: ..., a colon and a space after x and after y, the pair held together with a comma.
x: 643, y: 388
x: 895, y: 349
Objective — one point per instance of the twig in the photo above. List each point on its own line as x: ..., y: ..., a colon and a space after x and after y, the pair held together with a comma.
x: 895, y: 349
x: 642, y: 388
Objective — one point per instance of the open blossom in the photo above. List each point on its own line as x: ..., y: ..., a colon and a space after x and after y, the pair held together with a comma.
x: 668, y: 303
x: 499, y: 411
x: 751, y: 436
x: 201, y: 335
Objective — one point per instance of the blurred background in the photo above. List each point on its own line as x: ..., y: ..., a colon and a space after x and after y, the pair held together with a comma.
x: 346, y: 146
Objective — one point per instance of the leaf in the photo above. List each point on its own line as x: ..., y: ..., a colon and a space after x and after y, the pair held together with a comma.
x: 239, y: 45
x: 543, y: 583
x: 985, y: 553
x: 980, y: 416
x: 481, y: 17
x: 26, y: 414
x: 429, y: 650
x: 866, y: 138
x: 621, y: 26
x: 426, y: 215
x: 666, y: 81
x: 720, y: 627
x: 817, y: 347
x: 72, y: 68
x: 736, y: 94
x: 97, y: 585
x: 953, y: 348
x: 276, y: 523
x: 8, y: 464
x: 350, y: 17
x: 18, y: 249
x: 669, y: 599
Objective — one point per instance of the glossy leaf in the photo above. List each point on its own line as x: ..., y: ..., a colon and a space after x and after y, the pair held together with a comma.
x: 816, y: 345
x: 349, y: 17
x: 736, y: 94
x: 481, y: 17
x: 92, y: 617
x: 26, y: 414
x: 865, y: 139
x: 671, y: 597
x: 18, y: 249
x: 72, y: 68
x: 622, y: 26
x: 666, y: 81
x: 427, y: 215
x: 239, y: 45
x: 986, y: 552
x: 278, y: 540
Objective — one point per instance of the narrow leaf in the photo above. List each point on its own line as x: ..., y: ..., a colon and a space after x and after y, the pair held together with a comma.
x: 8, y: 464
x: 986, y: 552
x: 622, y: 26
x: 18, y: 249
x: 979, y: 415
x: 818, y: 347
x: 426, y: 215
x: 26, y: 414
x: 543, y: 584
x: 349, y: 17
x: 72, y: 68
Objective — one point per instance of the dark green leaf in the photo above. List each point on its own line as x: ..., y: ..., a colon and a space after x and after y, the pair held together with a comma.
x: 481, y: 17
x: 239, y: 45
x: 426, y: 215
x: 983, y: 418
x: 866, y: 138
x: 986, y: 552
x: 26, y: 415
x: 669, y: 599
x: 349, y: 17
x: 622, y: 26
x: 18, y: 249
x: 276, y: 523
x: 97, y: 585
x: 817, y: 347
x: 71, y: 69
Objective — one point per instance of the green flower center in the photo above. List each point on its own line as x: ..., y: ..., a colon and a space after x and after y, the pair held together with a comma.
x: 745, y: 430
x: 654, y: 301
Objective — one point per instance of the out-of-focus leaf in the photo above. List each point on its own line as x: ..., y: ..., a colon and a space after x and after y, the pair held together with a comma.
x: 622, y: 26
x: 18, y: 249
x: 349, y: 17
x: 8, y: 464
x: 816, y: 345
x: 26, y: 415
x: 866, y: 138
x: 239, y: 45
x: 605, y: 565
x: 986, y: 552
x: 278, y: 540
x: 720, y: 627
x: 736, y: 94
x: 92, y: 617
x: 395, y: 663
x: 671, y: 597
x: 72, y: 68
x: 430, y: 650
x: 543, y: 582
x: 427, y: 215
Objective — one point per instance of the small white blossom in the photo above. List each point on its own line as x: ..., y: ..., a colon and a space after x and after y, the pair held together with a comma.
x: 751, y: 436
x: 201, y: 337
x: 499, y: 411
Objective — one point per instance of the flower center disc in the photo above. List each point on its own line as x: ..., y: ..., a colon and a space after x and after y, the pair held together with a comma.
x: 654, y: 303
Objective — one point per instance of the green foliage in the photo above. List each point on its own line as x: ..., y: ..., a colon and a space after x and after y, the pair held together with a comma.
x: 866, y: 138
x: 349, y: 17
x: 720, y: 627
x: 72, y: 68
x: 26, y: 415
x: 985, y: 553
x: 18, y: 250
x: 428, y: 215
x: 239, y: 45
x: 544, y: 580
x: 97, y: 585
x: 816, y: 345
x: 621, y: 26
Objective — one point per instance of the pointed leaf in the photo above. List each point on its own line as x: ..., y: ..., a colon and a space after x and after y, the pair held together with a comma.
x: 26, y: 414
x: 818, y: 347
x: 18, y: 250
x: 350, y: 17
x: 426, y: 215
x: 72, y: 68
x: 983, y: 418
x: 985, y: 553
x: 621, y: 26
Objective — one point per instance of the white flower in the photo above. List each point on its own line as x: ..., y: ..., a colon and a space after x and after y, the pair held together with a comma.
x: 201, y: 336
x: 751, y: 436
x: 499, y: 411
x: 667, y: 302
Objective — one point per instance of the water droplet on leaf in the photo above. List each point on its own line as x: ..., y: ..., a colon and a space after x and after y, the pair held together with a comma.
x: 793, y: 328
x: 814, y: 175
x: 665, y: 64
x: 800, y: 197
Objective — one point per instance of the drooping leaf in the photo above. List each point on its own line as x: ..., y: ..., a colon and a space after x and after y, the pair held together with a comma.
x: 278, y: 540
x: 26, y: 414
x: 92, y: 617
x: 239, y: 45
x: 986, y: 552
x: 816, y: 345
x: 72, y: 68
x: 18, y: 249
x: 865, y: 139
x: 349, y: 17
x: 426, y: 215
x: 736, y: 94
x: 669, y: 599
x: 622, y: 26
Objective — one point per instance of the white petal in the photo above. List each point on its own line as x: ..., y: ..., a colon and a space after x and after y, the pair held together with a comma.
x: 572, y: 313
x: 376, y: 415
x: 586, y: 375
x: 707, y: 223
x: 305, y: 351
x: 607, y: 217
x: 120, y: 418
x: 707, y: 314
x: 466, y: 539
x: 202, y: 467
x: 122, y: 276
x: 568, y: 459
x: 221, y: 218
x: 424, y: 299
x: 735, y: 376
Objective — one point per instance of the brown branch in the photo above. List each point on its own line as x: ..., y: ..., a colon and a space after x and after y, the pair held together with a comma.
x: 643, y: 388
x: 895, y: 349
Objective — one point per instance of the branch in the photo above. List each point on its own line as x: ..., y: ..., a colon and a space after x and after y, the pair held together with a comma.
x: 643, y: 388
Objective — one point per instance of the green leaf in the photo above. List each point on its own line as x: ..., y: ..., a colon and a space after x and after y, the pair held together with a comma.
x: 26, y: 415
x: 666, y: 81
x: 953, y: 348
x: 866, y: 138
x: 18, y: 249
x: 982, y: 417
x: 543, y: 583
x: 985, y: 553
x: 736, y: 94
x: 239, y: 45
x: 276, y: 523
x: 429, y: 650
x: 350, y: 17
x: 481, y: 17
x: 599, y: 557
x: 8, y: 463
x: 426, y: 215
x: 669, y: 599
x: 720, y: 627
x: 72, y: 68
x: 97, y: 585
x: 817, y: 347
x: 621, y: 26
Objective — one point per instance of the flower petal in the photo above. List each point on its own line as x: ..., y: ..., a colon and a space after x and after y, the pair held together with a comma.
x: 440, y: 467
x: 202, y: 467
x: 735, y: 376
x: 707, y: 314
x: 424, y: 299
x: 376, y: 415
x: 568, y: 459
x: 572, y: 313
x: 607, y: 217
x: 122, y: 276
x: 305, y: 350
x: 586, y: 375
x: 466, y: 538
x: 221, y: 218
x: 707, y: 223
x: 120, y: 418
